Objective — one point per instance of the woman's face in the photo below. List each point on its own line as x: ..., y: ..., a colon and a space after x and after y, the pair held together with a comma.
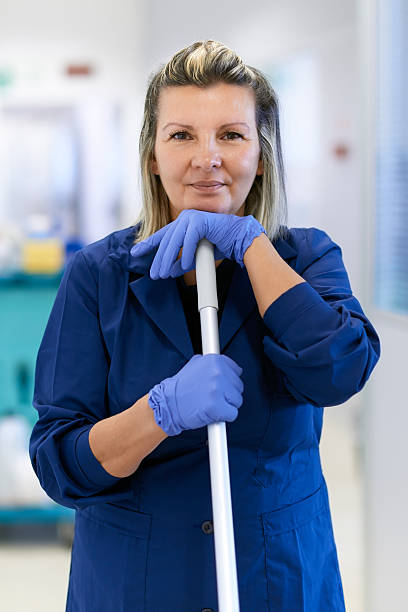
x: 206, y: 135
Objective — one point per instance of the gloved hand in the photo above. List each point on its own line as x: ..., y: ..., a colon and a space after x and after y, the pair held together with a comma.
x: 230, y: 234
x: 206, y: 390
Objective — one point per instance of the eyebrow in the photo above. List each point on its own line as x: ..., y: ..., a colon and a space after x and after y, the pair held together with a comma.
x: 190, y: 127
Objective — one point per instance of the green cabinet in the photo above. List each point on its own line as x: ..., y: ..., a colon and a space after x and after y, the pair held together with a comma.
x: 25, y: 305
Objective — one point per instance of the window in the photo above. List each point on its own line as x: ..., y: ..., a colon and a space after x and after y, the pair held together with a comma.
x: 391, y: 239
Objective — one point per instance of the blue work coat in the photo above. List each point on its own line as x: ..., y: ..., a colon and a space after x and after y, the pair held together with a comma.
x: 145, y: 543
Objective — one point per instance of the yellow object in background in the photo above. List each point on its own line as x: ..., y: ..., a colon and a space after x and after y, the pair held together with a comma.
x: 42, y: 256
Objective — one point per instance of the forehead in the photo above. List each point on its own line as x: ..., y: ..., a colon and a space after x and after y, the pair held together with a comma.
x: 190, y: 101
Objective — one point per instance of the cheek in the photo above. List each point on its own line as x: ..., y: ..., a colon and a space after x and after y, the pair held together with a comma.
x: 245, y: 165
x: 172, y: 168
x: 177, y: 163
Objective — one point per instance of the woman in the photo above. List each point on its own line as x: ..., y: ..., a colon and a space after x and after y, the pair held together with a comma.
x: 124, y: 396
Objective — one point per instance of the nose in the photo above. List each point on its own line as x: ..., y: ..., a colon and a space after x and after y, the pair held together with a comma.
x: 206, y: 156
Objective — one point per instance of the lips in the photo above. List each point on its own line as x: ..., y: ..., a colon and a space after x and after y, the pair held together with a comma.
x: 207, y: 184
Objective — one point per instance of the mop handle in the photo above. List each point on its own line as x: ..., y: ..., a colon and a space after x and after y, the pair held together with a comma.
x: 227, y: 585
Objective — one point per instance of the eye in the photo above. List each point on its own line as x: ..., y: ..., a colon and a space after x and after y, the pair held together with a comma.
x: 235, y: 134
x: 176, y: 134
x: 183, y: 132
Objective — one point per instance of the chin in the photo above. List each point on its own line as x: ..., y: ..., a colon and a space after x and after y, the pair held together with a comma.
x: 213, y: 206
x: 217, y: 207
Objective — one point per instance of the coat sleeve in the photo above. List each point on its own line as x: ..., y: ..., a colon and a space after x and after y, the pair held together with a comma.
x: 70, y: 395
x: 317, y: 333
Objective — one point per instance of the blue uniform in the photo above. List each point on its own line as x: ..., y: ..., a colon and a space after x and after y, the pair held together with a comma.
x: 145, y: 543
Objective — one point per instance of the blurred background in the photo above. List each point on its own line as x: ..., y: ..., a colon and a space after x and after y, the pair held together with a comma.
x: 73, y: 76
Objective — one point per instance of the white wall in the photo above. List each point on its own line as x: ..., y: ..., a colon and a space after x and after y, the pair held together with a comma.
x: 386, y: 459
x: 39, y: 39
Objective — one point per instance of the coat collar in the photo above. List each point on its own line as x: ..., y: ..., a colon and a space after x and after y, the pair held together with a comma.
x: 169, y: 317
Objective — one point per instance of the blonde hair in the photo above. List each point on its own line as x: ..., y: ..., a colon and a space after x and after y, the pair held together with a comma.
x: 203, y: 64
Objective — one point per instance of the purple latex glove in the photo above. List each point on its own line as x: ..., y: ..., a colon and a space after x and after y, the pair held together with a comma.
x: 206, y: 390
x: 230, y: 234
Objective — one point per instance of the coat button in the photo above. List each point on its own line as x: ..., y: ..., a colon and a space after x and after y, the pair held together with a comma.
x: 207, y: 610
x: 207, y: 527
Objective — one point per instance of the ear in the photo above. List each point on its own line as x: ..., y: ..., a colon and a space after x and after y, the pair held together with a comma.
x: 260, y: 168
x: 153, y: 166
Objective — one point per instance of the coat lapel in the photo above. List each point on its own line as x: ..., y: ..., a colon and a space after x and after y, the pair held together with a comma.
x: 162, y: 303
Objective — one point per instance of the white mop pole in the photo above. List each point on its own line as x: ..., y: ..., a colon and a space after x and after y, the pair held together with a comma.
x: 227, y: 585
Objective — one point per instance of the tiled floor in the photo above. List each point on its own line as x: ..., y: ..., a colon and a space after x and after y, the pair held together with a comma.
x: 35, y: 578
x: 341, y: 465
